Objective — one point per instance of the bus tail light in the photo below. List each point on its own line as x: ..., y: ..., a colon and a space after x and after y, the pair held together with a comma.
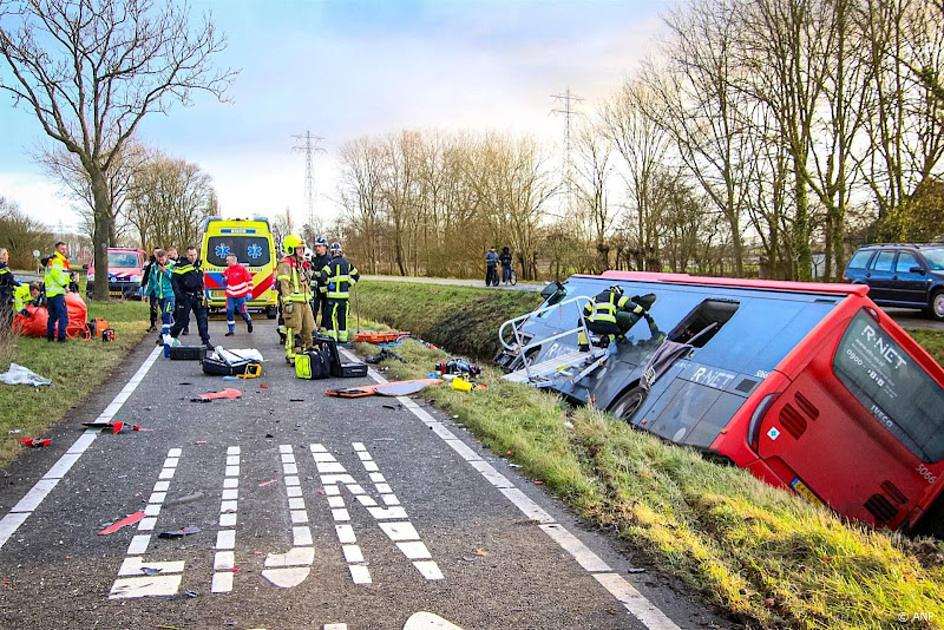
x: 753, y: 429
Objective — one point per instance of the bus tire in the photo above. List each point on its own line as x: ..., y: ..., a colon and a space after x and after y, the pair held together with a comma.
x: 629, y: 403
x: 936, y: 305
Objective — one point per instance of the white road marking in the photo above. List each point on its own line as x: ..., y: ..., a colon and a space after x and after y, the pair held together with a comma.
x: 290, y: 569
x: 428, y: 621
x: 150, y: 585
x: 617, y: 585
x: 333, y: 475
x: 18, y: 515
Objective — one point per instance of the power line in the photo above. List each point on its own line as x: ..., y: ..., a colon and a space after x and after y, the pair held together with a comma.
x: 310, y: 145
x: 564, y: 106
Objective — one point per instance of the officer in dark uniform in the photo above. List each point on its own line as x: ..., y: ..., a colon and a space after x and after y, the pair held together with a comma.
x: 337, y: 277
x: 319, y: 300
x: 187, y: 282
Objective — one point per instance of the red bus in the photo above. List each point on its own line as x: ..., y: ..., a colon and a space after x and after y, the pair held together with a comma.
x: 809, y: 386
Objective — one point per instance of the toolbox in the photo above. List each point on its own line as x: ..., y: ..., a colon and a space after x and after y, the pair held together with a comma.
x: 339, y: 369
x: 187, y: 353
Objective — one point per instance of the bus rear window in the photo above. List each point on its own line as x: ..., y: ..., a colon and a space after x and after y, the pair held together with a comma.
x: 252, y: 251
x: 895, y: 390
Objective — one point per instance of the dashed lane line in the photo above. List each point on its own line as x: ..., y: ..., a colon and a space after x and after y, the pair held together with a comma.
x: 32, y: 500
x: 620, y: 588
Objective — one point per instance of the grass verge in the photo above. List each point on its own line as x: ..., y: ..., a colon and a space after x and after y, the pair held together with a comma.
x: 932, y: 341
x: 762, y: 554
x: 76, y: 369
x: 465, y: 319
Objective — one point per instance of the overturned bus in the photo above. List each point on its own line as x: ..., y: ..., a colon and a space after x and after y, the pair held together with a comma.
x: 808, y: 386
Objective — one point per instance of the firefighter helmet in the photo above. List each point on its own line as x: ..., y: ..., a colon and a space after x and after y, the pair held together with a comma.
x: 321, y: 240
x: 291, y: 242
x: 617, y: 289
x: 335, y: 247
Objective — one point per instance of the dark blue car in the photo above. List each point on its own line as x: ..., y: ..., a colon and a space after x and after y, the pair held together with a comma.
x: 901, y: 274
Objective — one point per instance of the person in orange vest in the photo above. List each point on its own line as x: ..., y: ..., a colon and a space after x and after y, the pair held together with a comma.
x: 294, y: 279
x: 238, y: 292
x: 57, y: 283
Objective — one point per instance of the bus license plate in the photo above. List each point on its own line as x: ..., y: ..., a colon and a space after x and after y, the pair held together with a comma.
x: 803, y: 490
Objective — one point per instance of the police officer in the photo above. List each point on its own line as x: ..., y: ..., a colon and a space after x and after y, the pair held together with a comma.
x: 612, y: 314
x: 296, y: 295
x: 56, y: 281
x: 189, y: 295
x: 7, y: 286
x: 337, y: 277
x: 319, y: 302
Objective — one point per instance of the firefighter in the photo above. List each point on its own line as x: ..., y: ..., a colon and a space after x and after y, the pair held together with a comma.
x: 612, y: 314
x: 190, y: 295
x: 296, y: 294
x: 25, y: 295
x: 319, y: 303
x: 337, y: 277
x: 56, y: 282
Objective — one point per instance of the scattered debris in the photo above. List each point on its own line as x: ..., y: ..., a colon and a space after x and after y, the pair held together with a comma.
x: 396, y: 407
x: 378, y: 337
x: 514, y: 465
x: 198, y: 442
x: 131, y: 519
x: 296, y: 400
x: 150, y: 570
x: 35, y: 442
x: 180, y: 533
x: 190, y: 498
x: 481, y: 552
x: 190, y: 594
x: 393, y: 388
x: 269, y: 482
x: 635, y: 570
x: 263, y: 386
x: 227, y: 394
x: 538, y: 482
x: 269, y: 436
x: 383, y: 355
x: 15, y: 431
x: 458, y: 365
x: 185, y: 383
x: 230, y: 378
x: 19, y: 375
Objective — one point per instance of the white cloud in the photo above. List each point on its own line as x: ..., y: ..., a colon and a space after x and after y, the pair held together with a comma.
x: 39, y: 197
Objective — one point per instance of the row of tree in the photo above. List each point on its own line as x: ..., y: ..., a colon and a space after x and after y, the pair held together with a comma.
x: 762, y: 132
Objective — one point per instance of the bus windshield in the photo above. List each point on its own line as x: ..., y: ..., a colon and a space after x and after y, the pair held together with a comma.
x: 897, y: 391
x: 252, y: 251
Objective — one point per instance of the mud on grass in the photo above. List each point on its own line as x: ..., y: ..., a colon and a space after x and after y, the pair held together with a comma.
x: 762, y: 554
x: 76, y: 368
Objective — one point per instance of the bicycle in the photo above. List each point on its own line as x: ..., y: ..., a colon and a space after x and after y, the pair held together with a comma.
x: 509, y: 276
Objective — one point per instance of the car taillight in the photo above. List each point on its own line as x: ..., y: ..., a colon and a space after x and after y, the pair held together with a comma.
x: 753, y: 428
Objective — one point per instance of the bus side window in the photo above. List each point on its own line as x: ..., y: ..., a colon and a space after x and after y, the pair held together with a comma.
x: 704, y: 322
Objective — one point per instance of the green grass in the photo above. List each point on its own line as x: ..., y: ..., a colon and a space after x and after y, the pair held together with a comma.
x: 76, y: 368
x: 932, y: 341
x: 465, y: 319
x: 764, y: 555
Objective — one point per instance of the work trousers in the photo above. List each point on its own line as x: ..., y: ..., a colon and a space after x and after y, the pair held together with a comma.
x: 191, y: 302
x: 58, y: 314
x: 491, y: 275
x: 319, y: 308
x: 164, y: 306
x: 337, y: 324
x: 236, y: 305
x: 153, y: 311
x: 298, y: 319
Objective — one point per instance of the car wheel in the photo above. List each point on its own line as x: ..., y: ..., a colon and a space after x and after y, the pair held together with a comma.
x: 629, y: 403
x: 936, y: 306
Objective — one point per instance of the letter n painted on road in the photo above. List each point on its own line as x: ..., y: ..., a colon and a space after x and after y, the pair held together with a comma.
x: 391, y: 517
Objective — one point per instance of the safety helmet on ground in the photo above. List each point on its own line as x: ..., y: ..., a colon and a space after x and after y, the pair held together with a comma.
x: 617, y: 289
x: 335, y: 248
x: 321, y: 240
x: 291, y: 242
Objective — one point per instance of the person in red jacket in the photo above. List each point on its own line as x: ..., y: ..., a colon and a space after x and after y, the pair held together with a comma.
x: 238, y: 292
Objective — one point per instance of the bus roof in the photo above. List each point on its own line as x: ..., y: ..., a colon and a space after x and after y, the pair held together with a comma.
x: 739, y: 283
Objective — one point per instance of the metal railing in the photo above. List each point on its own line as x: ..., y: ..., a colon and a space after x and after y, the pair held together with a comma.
x: 518, y: 345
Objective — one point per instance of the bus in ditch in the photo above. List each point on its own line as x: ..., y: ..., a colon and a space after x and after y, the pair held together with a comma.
x: 808, y: 386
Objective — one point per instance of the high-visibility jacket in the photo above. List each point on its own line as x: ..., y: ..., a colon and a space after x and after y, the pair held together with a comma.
x: 338, y: 276
x: 238, y: 281
x: 605, y: 305
x: 57, y: 275
x: 294, y: 281
x: 21, y: 297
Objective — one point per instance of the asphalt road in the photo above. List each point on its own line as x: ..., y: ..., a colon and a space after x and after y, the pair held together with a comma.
x: 312, y: 511
x: 906, y: 318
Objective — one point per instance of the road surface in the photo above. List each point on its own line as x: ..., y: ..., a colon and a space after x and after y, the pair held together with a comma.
x: 906, y: 318
x: 308, y: 512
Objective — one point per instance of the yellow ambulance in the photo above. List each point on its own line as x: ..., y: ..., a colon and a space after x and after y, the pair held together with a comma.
x: 251, y: 241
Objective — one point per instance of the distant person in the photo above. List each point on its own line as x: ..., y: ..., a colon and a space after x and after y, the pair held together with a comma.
x: 145, y: 277
x: 190, y: 296
x: 238, y: 291
x: 319, y: 300
x: 491, y: 268
x: 56, y: 282
x: 160, y: 291
x: 8, y: 285
x: 505, y: 259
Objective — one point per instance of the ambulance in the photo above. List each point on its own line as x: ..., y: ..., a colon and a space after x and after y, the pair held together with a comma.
x: 251, y: 241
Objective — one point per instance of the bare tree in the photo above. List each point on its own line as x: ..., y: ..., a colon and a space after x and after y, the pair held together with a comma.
x: 592, y: 173
x: 91, y: 70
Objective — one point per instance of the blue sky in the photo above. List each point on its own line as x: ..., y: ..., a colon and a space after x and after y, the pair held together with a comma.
x: 348, y: 69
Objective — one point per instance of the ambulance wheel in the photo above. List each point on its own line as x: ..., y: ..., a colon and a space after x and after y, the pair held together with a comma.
x: 629, y: 403
x: 271, y: 312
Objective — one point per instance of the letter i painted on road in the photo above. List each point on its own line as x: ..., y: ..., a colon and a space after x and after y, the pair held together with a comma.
x: 391, y: 517
x: 131, y: 583
x: 292, y: 568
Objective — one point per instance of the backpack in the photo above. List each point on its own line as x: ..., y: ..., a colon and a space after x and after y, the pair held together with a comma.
x: 312, y: 365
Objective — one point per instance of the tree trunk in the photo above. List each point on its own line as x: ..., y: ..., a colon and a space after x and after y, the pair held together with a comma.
x: 102, y: 232
x: 801, y: 229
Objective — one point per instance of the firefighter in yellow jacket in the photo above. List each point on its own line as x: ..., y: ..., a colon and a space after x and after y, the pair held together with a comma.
x: 294, y: 279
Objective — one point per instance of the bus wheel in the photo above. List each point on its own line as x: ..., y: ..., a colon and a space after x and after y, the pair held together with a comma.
x: 271, y: 313
x: 629, y: 403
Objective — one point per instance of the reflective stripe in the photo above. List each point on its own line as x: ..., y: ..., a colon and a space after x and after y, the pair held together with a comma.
x: 334, y: 295
x: 182, y: 269
x: 283, y: 277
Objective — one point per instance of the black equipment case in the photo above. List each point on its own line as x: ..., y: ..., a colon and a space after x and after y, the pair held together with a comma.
x: 187, y: 353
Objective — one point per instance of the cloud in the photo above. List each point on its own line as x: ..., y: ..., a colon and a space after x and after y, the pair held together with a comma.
x: 39, y: 197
